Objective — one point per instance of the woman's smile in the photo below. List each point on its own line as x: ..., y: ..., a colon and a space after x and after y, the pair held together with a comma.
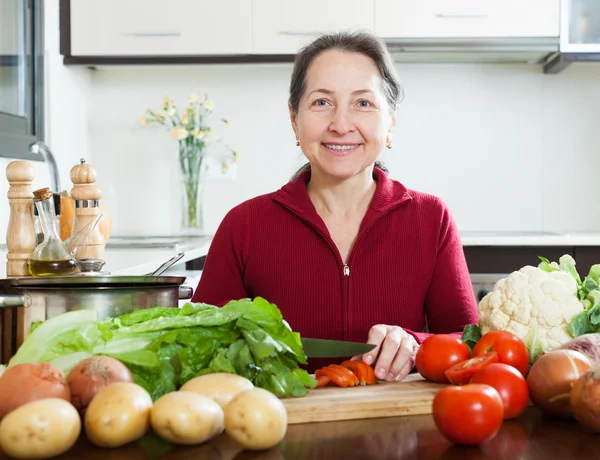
x: 340, y: 150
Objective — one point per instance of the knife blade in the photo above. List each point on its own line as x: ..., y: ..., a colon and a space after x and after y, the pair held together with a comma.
x: 321, y: 348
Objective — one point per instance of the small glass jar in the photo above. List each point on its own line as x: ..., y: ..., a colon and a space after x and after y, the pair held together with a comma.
x: 51, y: 257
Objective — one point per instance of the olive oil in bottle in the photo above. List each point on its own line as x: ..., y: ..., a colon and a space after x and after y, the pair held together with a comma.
x: 51, y: 257
x: 51, y: 267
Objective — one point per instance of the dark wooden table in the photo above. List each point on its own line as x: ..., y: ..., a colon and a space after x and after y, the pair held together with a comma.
x: 532, y: 436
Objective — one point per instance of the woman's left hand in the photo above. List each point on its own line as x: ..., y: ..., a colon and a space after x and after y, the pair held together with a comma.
x: 394, y: 354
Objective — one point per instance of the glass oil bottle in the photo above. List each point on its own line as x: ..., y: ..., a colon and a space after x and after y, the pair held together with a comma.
x: 51, y: 257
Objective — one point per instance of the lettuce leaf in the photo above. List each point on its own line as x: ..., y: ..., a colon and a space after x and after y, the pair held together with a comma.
x: 166, y: 347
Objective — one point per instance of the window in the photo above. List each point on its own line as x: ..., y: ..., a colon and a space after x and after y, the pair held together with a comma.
x: 21, y: 77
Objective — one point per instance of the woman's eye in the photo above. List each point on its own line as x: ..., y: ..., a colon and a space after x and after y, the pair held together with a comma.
x: 365, y: 104
x: 321, y: 102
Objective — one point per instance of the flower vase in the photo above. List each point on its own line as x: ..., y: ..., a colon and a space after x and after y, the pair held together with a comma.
x: 192, y: 187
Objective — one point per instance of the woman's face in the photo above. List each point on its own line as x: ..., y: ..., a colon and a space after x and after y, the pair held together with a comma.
x: 343, y: 120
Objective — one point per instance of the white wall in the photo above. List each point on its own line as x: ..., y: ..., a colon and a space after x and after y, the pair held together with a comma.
x: 507, y: 147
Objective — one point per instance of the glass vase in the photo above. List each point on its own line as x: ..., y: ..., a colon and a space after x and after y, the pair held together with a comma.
x: 192, y: 187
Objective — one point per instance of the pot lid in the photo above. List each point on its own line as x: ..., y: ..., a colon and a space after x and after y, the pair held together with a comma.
x: 101, y: 281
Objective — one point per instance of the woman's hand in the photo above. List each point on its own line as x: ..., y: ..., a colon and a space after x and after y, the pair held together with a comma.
x: 394, y: 354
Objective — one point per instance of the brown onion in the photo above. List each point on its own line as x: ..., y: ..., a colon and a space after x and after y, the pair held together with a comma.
x: 585, y: 399
x: 93, y: 374
x: 29, y: 382
x: 551, y: 377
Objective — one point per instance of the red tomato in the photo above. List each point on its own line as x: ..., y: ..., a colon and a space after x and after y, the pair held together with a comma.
x: 511, y: 349
x: 437, y: 353
x: 461, y: 373
x: 468, y: 414
x: 510, y: 384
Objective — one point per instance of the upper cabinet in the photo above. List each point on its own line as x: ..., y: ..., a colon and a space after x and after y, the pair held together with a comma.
x: 467, y: 18
x: 283, y: 27
x: 158, y: 27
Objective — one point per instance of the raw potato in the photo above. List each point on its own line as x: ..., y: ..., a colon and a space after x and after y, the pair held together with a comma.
x: 256, y: 418
x: 184, y: 417
x: 221, y: 386
x: 118, y: 414
x: 40, y: 429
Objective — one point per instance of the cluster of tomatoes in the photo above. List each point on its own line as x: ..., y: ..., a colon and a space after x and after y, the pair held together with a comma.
x: 348, y: 374
x: 488, y: 385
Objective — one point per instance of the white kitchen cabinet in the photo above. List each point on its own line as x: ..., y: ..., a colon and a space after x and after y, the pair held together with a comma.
x: 467, y: 18
x: 284, y: 26
x: 160, y: 27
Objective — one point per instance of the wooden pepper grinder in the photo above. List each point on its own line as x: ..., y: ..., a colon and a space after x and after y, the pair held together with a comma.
x: 20, y: 236
x: 87, y: 209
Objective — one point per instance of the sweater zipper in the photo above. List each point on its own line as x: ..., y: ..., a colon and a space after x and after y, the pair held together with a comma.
x: 346, y: 300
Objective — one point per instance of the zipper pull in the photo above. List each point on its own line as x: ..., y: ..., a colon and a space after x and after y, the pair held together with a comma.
x: 346, y: 270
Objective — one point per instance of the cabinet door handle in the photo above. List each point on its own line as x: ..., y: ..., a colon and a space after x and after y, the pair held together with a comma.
x: 461, y: 15
x: 155, y: 34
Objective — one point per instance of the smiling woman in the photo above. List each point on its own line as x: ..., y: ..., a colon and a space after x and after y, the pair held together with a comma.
x: 343, y: 250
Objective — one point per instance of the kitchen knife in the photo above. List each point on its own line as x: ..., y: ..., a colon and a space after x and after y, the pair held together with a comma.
x: 321, y: 348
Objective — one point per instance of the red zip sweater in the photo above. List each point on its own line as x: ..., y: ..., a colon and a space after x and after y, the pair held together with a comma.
x: 407, y: 267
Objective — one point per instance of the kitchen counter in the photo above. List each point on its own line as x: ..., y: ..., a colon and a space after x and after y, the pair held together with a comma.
x: 141, y: 255
x: 529, y: 239
x: 531, y: 436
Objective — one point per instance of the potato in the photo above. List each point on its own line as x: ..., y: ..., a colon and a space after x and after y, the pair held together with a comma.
x: 185, y: 417
x: 256, y: 418
x: 118, y: 414
x: 40, y: 429
x: 221, y: 386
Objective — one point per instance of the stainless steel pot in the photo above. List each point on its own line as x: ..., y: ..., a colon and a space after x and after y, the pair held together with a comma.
x: 109, y: 296
x: 27, y: 300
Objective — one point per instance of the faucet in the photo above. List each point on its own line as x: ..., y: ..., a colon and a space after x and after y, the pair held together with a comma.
x: 39, y: 147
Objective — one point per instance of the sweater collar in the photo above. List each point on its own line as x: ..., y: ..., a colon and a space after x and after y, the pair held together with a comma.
x: 388, y: 194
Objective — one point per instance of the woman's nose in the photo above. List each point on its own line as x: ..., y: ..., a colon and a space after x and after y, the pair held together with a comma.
x: 341, y: 121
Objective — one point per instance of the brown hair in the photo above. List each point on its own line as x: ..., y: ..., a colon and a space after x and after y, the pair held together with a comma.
x: 361, y: 42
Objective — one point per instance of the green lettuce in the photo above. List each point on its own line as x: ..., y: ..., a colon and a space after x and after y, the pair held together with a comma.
x: 166, y: 347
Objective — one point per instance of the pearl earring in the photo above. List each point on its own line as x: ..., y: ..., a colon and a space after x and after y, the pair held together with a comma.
x: 297, y: 143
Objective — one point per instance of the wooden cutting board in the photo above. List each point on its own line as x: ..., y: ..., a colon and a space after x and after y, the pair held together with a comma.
x: 412, y: 396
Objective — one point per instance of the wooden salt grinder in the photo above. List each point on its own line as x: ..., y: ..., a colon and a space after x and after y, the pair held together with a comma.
x: 20, y: 236
x: 87, y: 208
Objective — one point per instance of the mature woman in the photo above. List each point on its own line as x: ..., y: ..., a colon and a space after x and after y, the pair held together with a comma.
x: 343, y: 250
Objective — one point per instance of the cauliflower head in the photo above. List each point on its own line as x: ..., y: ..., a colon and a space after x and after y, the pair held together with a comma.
x: 533, y: 304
